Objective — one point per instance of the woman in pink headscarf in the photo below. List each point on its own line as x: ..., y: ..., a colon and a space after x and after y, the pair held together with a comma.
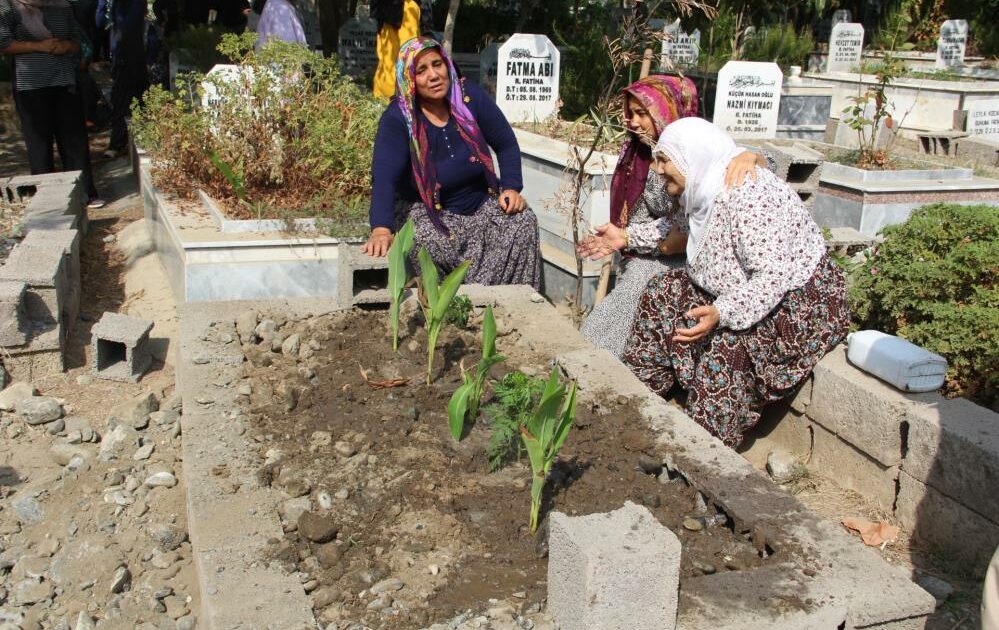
x: 645, y: 223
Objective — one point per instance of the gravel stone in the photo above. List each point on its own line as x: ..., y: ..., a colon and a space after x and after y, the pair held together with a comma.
x: 39, y: 409
x: 317, y: 528
x: 161, y: 479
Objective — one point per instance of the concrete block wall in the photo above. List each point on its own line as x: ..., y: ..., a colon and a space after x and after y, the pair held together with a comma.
x: 40, y: 280
x: 931, y: 462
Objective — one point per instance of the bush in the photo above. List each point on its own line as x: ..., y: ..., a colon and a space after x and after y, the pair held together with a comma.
x: 289, y: 137
x: 781, y: 44
x: 933, y: 281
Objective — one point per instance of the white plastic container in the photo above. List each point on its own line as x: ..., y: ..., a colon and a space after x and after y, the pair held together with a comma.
x: 896, y: 361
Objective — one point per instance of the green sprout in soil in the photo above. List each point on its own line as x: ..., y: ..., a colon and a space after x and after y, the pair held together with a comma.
x: 398, y: 277
x: 464, y: 404
x: 436, y: 299
x: 514, y: 397
x: 458, y: 311
x: 545, y: 433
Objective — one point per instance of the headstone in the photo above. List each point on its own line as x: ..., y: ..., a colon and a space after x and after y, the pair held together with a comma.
x: 488, y: 60
x: 308, y: 10
x: 356, y: 49
x: 682, y: 49
x: 983, y: 119
x: 748, y: 99
x: 952, y: 43
x: 219, y: 75
x: 527, y: 78
x: 840, y: 16
x: 845, y: 47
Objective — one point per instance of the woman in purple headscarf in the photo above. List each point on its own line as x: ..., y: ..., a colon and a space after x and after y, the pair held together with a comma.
x: 432, y: 164
x: 645, y: 223
x: 280, y: 20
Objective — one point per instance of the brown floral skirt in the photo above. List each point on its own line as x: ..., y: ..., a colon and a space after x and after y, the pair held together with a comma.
x: 731, y: 374
x: 504, y: 248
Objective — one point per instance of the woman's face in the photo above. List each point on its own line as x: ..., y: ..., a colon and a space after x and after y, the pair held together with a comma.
x: 675, y: 181
x: 432, y: 80
x: 639, y: 120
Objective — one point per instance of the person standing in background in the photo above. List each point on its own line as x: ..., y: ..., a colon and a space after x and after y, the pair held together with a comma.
x: 398, y: 22
x: 280, y: 20
x: 126, y: 19
x: 45, y: 41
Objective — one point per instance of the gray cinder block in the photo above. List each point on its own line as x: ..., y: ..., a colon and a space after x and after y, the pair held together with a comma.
x: 23, y: 187
x: 68, y: 242
x: 618, y: 570
x: 42, y: 269
x: 358, y: 275
x: 121, y: 347
x: 13, y: 324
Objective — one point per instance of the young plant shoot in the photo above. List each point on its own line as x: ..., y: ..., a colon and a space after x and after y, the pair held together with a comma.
x: 397, y: 278
x: 437, y: 299
x: 544, y: 433
x: 464, y: 402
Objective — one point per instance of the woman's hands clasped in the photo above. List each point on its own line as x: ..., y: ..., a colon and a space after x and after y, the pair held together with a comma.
x: 379, y: 242
x: 605, y: 240
x: 707, y: 319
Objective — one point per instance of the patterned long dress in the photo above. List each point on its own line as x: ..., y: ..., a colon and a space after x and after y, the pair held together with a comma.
x: 781, y: 301
x: 651, y: 220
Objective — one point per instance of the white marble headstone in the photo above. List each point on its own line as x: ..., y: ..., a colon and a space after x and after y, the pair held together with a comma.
x: 488, y: 60
x: 358, y: 56
x: 220, y: 74
x: 983, y: 119
x: 748, y: 98
x: 527, y: 78
x: 842, y: 15
x: 682, y: 49
x: 845, y: 47
x: 952, y: 43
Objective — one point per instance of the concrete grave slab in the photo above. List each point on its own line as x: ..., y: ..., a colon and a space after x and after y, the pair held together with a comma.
x: 22, y: 187
x: 121, y: 347
x: 954, y: 448
x: 618, y: 569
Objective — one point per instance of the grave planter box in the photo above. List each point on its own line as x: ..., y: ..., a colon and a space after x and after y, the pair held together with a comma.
x: 919, y: 104
x: 868, y: 201
x: 546, y: 181
x: 208, y: 257
x: 919, y: 61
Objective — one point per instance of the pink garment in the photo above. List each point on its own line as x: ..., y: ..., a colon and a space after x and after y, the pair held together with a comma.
x: 280, y: 21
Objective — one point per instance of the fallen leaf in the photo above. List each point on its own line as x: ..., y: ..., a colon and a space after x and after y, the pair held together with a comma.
x: 873, y: 534
x: 392, y: 382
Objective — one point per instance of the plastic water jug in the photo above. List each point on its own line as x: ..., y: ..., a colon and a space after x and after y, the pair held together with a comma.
x: 896, y: 361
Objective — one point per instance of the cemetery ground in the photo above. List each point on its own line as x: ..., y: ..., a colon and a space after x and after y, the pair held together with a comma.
x: 105, y: 543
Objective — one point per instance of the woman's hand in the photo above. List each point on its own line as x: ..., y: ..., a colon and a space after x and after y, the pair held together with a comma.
x: 741, y: 165
x: 511, y: 202
x: 674, y: 243
x: 607, y: 239
x: 707, y: 319
x: 379, y: 242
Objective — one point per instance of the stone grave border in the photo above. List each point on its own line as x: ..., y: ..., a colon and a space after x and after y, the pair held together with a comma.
x: 41, y: 300
x: 844, y: 583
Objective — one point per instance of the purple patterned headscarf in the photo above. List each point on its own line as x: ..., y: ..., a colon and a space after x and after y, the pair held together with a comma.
x: 667, y: 99
x: 422, y: 162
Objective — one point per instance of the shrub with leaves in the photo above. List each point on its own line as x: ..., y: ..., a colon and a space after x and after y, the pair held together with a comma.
x: 288, y: 136
x: 464, y: 403
x: 781, y: 44
x: 933, y: 281
x: 514, y: 396
x: 458, y: 311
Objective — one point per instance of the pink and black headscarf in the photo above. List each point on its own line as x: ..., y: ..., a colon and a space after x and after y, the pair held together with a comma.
x: 667, y: 99
x: 422, y: 162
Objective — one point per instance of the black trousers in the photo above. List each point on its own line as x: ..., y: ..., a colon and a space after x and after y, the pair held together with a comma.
x: 129, y: 81
x: 55, y: 114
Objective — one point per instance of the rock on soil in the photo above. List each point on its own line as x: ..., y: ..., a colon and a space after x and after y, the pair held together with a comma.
x: 39, y: 409
x: 316, y: 528
x: 15, y: 393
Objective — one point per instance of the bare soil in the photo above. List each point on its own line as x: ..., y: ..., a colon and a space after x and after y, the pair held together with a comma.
x: 408, y: 499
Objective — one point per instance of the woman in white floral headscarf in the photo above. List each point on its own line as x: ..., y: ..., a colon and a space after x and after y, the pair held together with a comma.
x: 760, y: 302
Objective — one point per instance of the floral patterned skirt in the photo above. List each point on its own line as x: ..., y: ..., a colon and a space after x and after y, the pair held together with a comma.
x: 730, y: 375
x: 504, y: 248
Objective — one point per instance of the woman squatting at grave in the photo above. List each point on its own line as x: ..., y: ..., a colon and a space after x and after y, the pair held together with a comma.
x: 646, y: 223
x: 759, y: 303
x: 432, y: 164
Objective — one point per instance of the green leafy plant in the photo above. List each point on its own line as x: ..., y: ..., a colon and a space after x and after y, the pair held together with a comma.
x: 436, y: 299
x: 870, y: 111
x: 781, y: 44
x: 514, y: 396
x: 299, y: 131
x: 544, y: 433
x: 458, y: 311
x: 933, y: 281
x: 398, y: 277
x: 464, y: 403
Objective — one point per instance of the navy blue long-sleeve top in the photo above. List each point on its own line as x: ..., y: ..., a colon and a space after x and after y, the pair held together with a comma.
x: 461, y: 177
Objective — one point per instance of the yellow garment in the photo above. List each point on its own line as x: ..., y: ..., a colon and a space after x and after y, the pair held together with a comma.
x: 390, y: 39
